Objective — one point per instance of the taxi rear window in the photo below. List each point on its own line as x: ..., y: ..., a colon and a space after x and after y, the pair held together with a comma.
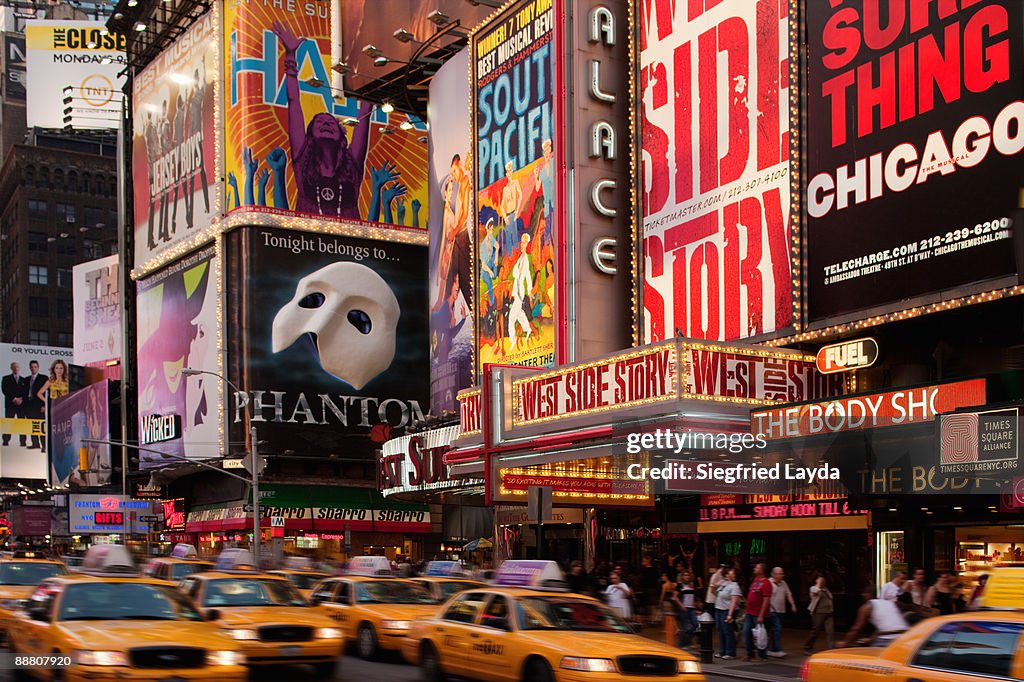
x: 391, y: 592
x: 28, y: 572
x: 179, y: 571
x: 974, y: 646
x: 250, y: 592
x: 124, y: 601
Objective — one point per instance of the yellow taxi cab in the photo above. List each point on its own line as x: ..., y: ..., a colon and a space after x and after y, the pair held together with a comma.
x: 183, y: 561
x: 984, y: 644
x: 528, y: 628
x: 19, y: 575
x: 442, y: 579
x: 371, y: 606
x: 105, y: 622
x: 299, y: 572
x: 270, y: 620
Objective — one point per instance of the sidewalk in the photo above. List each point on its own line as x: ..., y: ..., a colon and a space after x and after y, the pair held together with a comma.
x: 773, y: 670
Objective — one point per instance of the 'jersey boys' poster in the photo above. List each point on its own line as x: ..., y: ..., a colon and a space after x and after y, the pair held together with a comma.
x: 714, y: 91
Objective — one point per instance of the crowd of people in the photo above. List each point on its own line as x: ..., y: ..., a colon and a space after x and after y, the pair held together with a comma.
x: 653, y: 592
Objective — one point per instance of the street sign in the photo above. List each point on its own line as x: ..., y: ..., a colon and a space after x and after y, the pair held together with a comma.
x: 247, y: 508
x: 261, y: 463
x: 277, y: 522
x: 233, y: 464
x: 148, y: 518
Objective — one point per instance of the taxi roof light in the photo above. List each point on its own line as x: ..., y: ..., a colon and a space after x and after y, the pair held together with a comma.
x: 445, y: 569
x: 28, y: 554
x: 109, y: 559
x: 370, y: 566
x: 184, y: 551
x: 235, y: 559
x: 535, y: 573
x: 298, y: 563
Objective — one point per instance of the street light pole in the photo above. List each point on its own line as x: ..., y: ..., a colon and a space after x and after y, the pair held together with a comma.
x: 253, y: 468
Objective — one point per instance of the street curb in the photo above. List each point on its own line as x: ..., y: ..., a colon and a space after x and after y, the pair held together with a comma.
x: 737, y: 675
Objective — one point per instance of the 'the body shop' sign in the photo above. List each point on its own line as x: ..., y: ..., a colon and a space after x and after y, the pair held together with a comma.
x: 850, y: 413
x: 715, y: 177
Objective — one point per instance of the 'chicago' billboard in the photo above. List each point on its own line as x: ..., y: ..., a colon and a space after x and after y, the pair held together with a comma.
x: 451, y: 234
x: 915, y: 124
x: 332, y: 343
x: 715, y: 172
x: 96, y: 288
x: 292, y: 143
x: 174, y: 162
x: 516, y: 80
x: 177, y: 329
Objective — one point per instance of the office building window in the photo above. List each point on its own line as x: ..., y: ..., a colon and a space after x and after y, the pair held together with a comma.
x: 38, y: 274
x: 38, y: 337
x: 64, y: 339
x: 38, y: 306
x: 65, y: 213
x: 64, y: 309
x: 92, y: 249
x: 38, y: 210
x: 37, y: 241
x: 63, y: 277
x: 95, y: 216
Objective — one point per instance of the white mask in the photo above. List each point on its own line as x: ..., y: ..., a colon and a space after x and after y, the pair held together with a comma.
x: 354, y: 315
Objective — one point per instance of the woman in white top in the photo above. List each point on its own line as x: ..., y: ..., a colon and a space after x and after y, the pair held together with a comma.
x: 618, y: 594
x: 727, y: 599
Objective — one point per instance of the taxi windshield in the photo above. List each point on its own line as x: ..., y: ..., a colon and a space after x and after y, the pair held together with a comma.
x: 250, y: 592
x: 447, y: 589
x: 179, y: 571
x: 391, y: 592
x: 28, y: 572
x: 561, y: 613
x: 305, y: 581
x: 124, y: 601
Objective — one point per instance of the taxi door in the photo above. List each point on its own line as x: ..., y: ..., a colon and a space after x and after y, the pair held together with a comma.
x: 36, y: 632
x: 340, y: 607
x: 492, y: 643
x: 972, y: 650
x: 453, y: 633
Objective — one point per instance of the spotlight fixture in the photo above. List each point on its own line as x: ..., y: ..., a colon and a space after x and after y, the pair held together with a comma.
x: 387, y: 107
x: 341, y: 67
x: 140, y: 27
x: 133, y: 3
x: 439, y: 18
x: 106, y: 60
x: 350, y: 120
x: 403, y: 36
x: 315, y: 83
x: 387, y: 130
x: 104, y: 30
x: 91, y: 44
x: 422, y: 139
x: 405, y: 125
x: 371, y: 50
x: 380, y: 61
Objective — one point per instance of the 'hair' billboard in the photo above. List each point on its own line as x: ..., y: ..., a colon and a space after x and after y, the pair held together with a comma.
x: 81, y: 420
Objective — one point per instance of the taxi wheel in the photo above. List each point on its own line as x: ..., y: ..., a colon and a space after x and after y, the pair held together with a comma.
x: 366, y: 644
x: 430, y: 664
x: 537, y: 670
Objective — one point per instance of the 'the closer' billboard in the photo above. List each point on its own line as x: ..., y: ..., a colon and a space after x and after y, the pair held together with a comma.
x: 331, y: 341
x: 715, y: 171
x: 915, y: 124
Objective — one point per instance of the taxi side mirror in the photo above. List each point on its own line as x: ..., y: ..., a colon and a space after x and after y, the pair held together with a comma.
x: 212, y: 614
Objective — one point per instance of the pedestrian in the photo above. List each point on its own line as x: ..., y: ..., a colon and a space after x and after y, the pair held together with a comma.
x: 976, y: 594
x: 781, y: 598
x: 918, y: 587
x: 758, y: 602
x: 727, y: 602
x: 649, y: 588
x: 618, y: 595
x: 892, y: 590
x: 942, y: 596
x: 713, y: 585
x: 684, y: 597
x: 666, y: 601
x: 822, y: 609
x: 882, y: 614
x: 578, y: 579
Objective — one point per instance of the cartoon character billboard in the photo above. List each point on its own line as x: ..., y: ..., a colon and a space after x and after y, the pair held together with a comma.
x: 293, y: 143
x: 177, y: 325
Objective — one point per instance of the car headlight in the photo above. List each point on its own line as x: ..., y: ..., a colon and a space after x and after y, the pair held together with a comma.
x: 689, y: 667
x: 243, y: 634
x: 395, y: 624
x: 100, y: 657
x: 590, y: 665
x: 328, y: 633
x: 224, y: 658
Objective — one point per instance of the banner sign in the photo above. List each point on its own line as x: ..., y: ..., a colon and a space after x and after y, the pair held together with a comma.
x: 851, y: 413
x: 451, y: 234
x: 292, y: 145
x: 29, y: 374
x: 174, y: 159
x: 15, y: 78
x: 783, y: 510
x: 715, y: 172
x: 75, y: 419
x: 847, y: 356
x: 336, y: 341
x: 177, y: 329
x: 917, y: 114
x: 96, y: 288
x: 416, y: 462
x: 470, y: 407
x: 79, y: 56
x: 516, y: 78
x: 106, y: 514
x: 979, y: 441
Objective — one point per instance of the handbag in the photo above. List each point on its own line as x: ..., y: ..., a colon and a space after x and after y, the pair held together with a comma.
x: 760, y: 637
